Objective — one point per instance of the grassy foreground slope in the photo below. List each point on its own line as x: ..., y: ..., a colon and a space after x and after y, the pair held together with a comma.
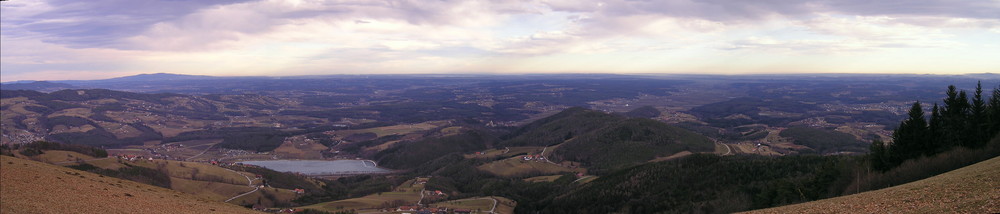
x: 35, y: 187
x: 971, y: 189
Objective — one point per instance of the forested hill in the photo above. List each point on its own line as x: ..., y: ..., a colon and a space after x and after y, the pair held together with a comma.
x: 605, y: 142
x: 629, y: 142
x: 560, y: 127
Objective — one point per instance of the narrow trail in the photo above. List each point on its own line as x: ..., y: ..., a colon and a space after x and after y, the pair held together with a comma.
x: 249, y: 183
x: 492, y: 210
x: 546, y: 158
x: 728, y: 149
x: 199, y: 154
x: 421, y: 196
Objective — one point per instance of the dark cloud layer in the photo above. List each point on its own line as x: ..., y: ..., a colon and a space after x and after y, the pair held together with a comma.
x: 100, y: 23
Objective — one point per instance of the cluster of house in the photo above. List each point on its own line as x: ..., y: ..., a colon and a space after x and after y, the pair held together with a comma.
x: 431, y: 210
x: 535, y: 157
x: 133, y: 158
x: 500, y: 123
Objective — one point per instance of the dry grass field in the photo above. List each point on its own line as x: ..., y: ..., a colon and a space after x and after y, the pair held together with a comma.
x: 971, y: 189
x: 408, y: 192
x: 493, y: 153
x: 34, y: 187
x: 546, y: 178
x: 480, y: 205
x: 515, y: 166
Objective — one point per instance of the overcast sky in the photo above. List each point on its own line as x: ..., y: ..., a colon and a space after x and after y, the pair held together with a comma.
x: 96, y: 39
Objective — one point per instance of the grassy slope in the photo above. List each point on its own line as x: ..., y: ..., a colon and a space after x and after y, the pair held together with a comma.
x: 408, y: 191
x: 971, y: 189
x: 515, y: 166
x: 504, y: 205
x: 42, y: 188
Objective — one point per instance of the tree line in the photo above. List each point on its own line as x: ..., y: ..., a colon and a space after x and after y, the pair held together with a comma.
x: 958, y: 122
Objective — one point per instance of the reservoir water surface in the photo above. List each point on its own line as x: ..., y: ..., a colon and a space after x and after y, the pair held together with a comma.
x: 321, y: 167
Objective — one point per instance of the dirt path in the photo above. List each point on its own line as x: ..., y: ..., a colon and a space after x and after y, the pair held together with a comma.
x: 199, y: 154
x: 728, y: 149
x: 492, y: 210
x: 581, y: 178
x: 249, y: 183
x: 421, y: 196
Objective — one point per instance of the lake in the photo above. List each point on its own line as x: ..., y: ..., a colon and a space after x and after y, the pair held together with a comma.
x: 321, y: 167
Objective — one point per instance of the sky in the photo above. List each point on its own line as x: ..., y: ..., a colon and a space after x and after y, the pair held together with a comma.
x: 97, y: 39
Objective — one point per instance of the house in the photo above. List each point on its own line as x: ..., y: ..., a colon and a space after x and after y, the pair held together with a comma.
x: 406, y: 208
x: 299, y: 191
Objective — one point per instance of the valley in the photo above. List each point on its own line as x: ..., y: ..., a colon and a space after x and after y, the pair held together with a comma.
x: 482, y: 144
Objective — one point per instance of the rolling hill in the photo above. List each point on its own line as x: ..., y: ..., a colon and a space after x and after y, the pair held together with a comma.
x: 42, y: 188
x: 605, y: 142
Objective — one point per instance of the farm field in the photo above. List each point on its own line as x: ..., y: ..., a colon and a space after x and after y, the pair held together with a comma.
x: 480, y: 205
x: 516, y: 166
x: 407, y: 193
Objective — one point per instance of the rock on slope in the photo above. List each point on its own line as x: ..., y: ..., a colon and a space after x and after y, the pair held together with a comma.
x: 34, y: 187
x: 971, y: 189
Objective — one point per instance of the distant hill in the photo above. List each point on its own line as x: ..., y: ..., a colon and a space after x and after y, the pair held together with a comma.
x: 30, y: 186
x: 37, y: 86
x: 971, y: 189
x: 560, y: 127
x: 157, y: 77
x: 643, y: 112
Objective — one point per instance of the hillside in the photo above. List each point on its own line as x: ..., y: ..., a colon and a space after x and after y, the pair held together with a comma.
x: 42, y: 188
x: 971, y: 189
x: 629, y: 142
x: 605, y: 142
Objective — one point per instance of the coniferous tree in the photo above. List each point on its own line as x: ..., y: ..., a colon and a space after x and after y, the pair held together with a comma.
x: 934, y: 133
x: 993, y: 111
x: 977, y: 121
x: 909, y: 140
x: 880, y: 156
x: 954, y: 118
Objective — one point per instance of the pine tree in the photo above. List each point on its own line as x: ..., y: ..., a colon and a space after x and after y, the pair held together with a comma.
x: 954, y: 118
x: 932, y: 145
x: 879, y: 156
x: 909, y: 140
x: 977, y: 121
x: 993, y: 112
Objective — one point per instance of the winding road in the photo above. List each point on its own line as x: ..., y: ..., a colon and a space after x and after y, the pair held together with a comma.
x: 728, y: 150
x: 492, y: 210
x: 249, y: 183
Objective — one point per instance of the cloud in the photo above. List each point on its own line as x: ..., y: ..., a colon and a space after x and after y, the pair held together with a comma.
x: 301, y: 36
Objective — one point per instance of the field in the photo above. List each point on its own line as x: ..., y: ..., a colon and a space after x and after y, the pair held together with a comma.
x: 278, y: 194
x: 407, y: 193
x: 299, y: 147
x: 396, y: 129
x: 971, y: 189
x: 212, y: 190
x: 751, y: 148
x: 480, y: 205
x: 546, y: 178
x: 684, y: 153
x: 61, y: 188
x: 516, y: 166
x: 61, y: 157
x: 493, y: 153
